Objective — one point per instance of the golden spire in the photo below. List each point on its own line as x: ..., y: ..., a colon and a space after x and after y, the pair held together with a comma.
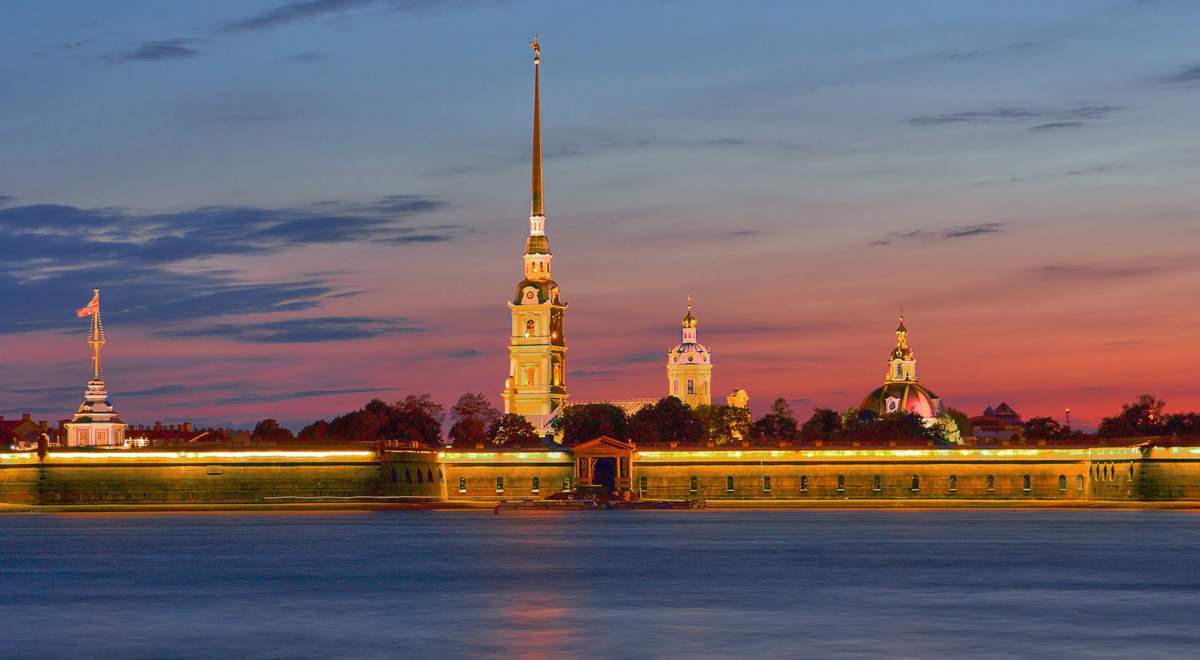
x: 689, y: 321
x: 901, y: 334
x: 536, y: 207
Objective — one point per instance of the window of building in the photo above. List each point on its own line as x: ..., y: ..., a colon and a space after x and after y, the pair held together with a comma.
x: 643, y: 482
x: 841, y: 483
x: 728, y: 484
x: 407, y: 476
x: 692, y: 386
x: 916, y: 483
x: 804, y: 483
x: 430, y: 473
x: 1026, y: 483
x: 991, y: 482
x: 462, y: 484
x: 420, y: 477
x: 766, y: 483
x: 954, y: 483
x: 537, y: 485
x: 1062, y: 483
x: 499, y: 484
x: 675, y: 387
x: 877, y: 484
x: 1079, y: 482
x: 1131, y: 471
x: 694, y: 485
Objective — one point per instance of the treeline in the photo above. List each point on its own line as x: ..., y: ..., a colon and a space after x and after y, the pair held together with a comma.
x: 671, y: 422
x: 417, y: 420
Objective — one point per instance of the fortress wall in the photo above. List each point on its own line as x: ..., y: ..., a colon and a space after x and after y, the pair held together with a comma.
x: 18, y: 478
x: 170, y: 477
x: 476, y: 473
x: 669, y: 474
x: 1170, y: 473
x: 215, y: 477
x: 413, y: 473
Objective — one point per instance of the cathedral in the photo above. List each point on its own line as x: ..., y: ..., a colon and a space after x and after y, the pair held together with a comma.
x: 536, y: 385
x: 537, y: 350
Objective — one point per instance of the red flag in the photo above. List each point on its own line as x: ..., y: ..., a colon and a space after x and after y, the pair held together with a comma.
x: 92, y: 308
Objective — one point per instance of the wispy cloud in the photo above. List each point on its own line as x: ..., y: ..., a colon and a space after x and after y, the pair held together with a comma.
x: 964, y: 231
x: 1081, y: 272
x: 1056, y: 125
x: 464, y: 353
x: 157, y: 51
x: 306, y: 57
x: 291, y: 12
x: 54, y: 247
x: 302, y: 330
x: 1186, y: 76
x: 5, y: 200
x: 1040, y: 117
x: 301, y: 394
x: 1012, y: 48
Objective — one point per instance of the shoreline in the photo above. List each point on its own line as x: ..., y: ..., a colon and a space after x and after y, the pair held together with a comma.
x: 475, y: 505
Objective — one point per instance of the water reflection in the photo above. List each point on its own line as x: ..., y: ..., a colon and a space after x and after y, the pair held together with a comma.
x: 601, y: 584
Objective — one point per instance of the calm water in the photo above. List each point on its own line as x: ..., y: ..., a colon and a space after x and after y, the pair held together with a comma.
x: 603, y: 584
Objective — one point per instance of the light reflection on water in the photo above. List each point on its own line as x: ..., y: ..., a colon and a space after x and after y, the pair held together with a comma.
x: 603, y: 584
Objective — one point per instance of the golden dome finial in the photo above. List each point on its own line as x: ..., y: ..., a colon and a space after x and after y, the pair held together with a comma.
x: 689, y: 321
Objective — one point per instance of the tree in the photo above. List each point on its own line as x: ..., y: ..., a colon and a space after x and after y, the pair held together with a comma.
x: 724, y: 424
x: 1140, y: 418
x: 825, y: 424
x: 513, y: 430
x: 269, y: 431
x: 779, y: 424
x: 1043, y: 428
x: 416, y: 419
x: 473, y: 416
x: 580, y: 423
x: 668, y: 420
x: 965, y: 428
x: 315, y: 433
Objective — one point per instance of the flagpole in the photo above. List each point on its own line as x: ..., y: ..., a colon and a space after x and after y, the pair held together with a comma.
x: 96, y: 341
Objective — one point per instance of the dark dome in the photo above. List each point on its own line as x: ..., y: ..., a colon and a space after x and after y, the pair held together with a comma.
x: 547, y: 290
x: 537, y: 245
x: 910, y: 397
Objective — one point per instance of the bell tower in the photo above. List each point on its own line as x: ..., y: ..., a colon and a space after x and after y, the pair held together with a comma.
x: 689, y: 366
x: 902, y: 364
x: 537, y: 350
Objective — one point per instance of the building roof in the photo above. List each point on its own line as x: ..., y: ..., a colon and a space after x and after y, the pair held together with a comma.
x: 907, y: 396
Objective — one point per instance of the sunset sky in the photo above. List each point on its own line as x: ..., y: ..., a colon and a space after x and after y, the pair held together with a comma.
x: 293, y: 208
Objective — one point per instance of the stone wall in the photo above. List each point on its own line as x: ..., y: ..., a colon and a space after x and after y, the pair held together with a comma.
x: 167, y: 477
x: 267, y: 476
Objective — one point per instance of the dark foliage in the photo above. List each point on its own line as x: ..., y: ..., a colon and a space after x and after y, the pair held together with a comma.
x: 269, y: 431
x: 668, y: 420
x: 473, y: 415
x: 512, y: 430
x: 591, y: 420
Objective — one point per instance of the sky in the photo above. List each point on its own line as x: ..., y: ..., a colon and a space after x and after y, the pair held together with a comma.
x: 294, y: 207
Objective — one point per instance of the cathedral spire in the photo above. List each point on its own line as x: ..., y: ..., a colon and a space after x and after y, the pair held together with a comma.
x: 902, y: 364
x: 537, y: 211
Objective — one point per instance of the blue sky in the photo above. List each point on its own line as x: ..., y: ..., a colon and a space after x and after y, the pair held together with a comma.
x: 240, y: 176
